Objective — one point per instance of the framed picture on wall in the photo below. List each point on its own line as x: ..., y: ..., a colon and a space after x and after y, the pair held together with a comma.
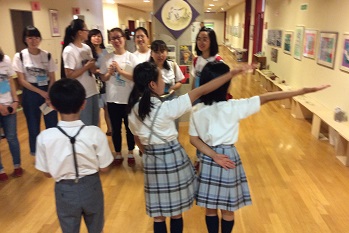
x: 327, y: 49
x: 53, y: 15
x: 298, y: 43
x: 309, y: 45
x: 345, y: 55
x: 288, y: 39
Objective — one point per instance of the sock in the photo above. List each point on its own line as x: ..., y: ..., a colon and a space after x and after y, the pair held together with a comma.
x: 227, y: 226
x: 212, y: 224
x: 177, y: 225
x: 130, y: 156
x: 118, y: 157
x: 160, y: 227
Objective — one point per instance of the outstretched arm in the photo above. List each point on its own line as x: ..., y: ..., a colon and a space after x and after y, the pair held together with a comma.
x: 271, y: 96
x: 217, y: 82
x: 222, y: 160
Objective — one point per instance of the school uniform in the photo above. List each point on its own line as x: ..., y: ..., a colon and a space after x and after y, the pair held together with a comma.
x: 36, y: 69
x: 218, y: 125
x: 198, y: 64
x: 75, y: 58
x: 55, y: 156
x: 169, y: 177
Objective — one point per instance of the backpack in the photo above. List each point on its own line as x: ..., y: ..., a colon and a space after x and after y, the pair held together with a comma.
x: 217, y: 58
x: 21, y: 56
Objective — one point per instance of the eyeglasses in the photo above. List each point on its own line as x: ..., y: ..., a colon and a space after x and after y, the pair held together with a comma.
x: 85, y: 30
x: 118, y: 38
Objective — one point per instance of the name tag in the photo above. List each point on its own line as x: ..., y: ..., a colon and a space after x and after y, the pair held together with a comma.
x: 42, y: 80
x: 4, y: 87
x: 119, y: 81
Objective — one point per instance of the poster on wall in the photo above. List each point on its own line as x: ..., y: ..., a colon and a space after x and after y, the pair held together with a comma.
x: 310, y: 37
x: 176, y: 16
x: 327, y: 49
x: 288, y: 38
x: 345, y: 56
x: 186, y: 72
x: 298, y: 44
x: 195, y: 28
x: 185, y: 55
x: 171, y: 54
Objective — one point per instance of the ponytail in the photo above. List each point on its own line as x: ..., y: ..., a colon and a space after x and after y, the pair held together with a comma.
x: 69, y: 37
x: 143, y: 74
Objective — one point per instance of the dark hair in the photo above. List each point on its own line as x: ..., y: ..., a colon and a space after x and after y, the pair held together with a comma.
x: 29, y: 31
x: 213, y: 41
x: 67, y: 95
x: 143, y: 74
x: 91, y: 33
x: 116, y: 30
x: 142, y: 29
x: 159, y: 46
x: 70, y: 33
x: 211, y: 71
x: 2, y: 55
x: 127, y: 34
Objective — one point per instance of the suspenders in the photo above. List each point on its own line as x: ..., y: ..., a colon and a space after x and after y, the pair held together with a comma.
x: 72, y: 141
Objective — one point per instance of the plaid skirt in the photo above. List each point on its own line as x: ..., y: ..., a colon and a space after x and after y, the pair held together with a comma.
x: 169, y: 180
x: 220, y: 188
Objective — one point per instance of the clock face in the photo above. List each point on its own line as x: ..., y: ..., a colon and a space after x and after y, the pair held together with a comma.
x: 176, y: 14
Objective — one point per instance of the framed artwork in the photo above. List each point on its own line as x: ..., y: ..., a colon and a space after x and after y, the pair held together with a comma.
x: 274, y: 55
x: 53, y: 15
x: 310, y: 37
x: 298, y: 44
x: 171, y: 53
x: 288, y: 38
x: 274, y: 38
x: 345, y: 56
x: 327, y: 49
x: 176, y: 16
x: 185, y: 55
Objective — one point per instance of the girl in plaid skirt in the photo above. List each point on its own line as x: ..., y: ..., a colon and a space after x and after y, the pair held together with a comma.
x: 213, y: 130
x: 169, y: 178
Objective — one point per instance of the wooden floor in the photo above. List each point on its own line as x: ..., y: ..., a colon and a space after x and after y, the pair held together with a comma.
x: 297, y: 184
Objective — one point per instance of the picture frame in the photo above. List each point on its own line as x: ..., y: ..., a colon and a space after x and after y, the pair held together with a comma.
x: 327, y: 49
x: 345, y: 54
x: 274, y: 55
x: 298, y: 44
x: 288, y: 39
x: 275, y: 38
x: 309, y: 46
x: 54, y: 25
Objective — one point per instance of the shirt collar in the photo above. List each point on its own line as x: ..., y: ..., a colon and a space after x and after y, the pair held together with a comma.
x: 70, y: 123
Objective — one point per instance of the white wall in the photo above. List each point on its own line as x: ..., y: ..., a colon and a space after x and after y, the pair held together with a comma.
x: 91, y: 9
x: 236, y: 17
x: 218, y: 20
x: 321, y: 15
x: 127, y: 13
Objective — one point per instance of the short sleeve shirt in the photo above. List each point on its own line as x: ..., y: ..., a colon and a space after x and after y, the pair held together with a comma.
x: 6, y: 72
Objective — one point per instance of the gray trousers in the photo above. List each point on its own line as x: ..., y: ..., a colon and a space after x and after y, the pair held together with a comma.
x: 82, y: 199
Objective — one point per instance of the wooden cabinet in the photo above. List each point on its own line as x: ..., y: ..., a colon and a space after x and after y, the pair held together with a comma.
x: 262, y: 60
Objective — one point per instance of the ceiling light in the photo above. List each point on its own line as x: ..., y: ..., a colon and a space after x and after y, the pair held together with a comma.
x: 110, y: 1
x: 215, y: 0
x: 211, y: 4
x: 209, y: 8
x: 146, y: 0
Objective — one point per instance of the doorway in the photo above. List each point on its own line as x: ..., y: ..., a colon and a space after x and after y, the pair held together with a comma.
x: 20, y: 19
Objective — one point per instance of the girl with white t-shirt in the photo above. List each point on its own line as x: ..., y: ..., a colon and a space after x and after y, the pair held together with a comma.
x: 116, y: 71
x: 222, y: 183
x: 95, y: 41
x: 78, y: 63
x: 169, y: 177
x: 36, y: 73
x: 8, y: 118
x: 142, y: 42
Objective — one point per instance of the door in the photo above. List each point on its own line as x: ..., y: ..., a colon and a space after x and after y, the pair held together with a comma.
x: 20, y: 19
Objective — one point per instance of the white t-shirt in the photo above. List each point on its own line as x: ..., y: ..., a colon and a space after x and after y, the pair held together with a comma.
x: 6, y: 72
x: 54, y: 152
x: 200, y: 64
x: 118, y: 88
x: 173, y: 75
x: 74, y: 58
x: 34, y: 67
x: 164, y: 125
x: 218, y: 124
x: 142, y: 57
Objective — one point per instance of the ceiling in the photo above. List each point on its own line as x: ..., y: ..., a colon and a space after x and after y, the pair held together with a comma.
x: 219, y: 5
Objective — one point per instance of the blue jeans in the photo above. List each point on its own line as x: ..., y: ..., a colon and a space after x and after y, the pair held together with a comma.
x: 31, y: 102
x: 9, y: 124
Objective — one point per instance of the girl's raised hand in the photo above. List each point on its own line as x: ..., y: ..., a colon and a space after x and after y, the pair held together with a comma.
x: 315, y: 89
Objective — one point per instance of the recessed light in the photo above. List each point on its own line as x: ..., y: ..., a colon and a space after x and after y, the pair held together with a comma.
x: 209, y: 8
x: 146, y: 0
x: 211, y: 4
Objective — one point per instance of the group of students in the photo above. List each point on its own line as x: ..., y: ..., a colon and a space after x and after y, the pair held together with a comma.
x: 76, y: 150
